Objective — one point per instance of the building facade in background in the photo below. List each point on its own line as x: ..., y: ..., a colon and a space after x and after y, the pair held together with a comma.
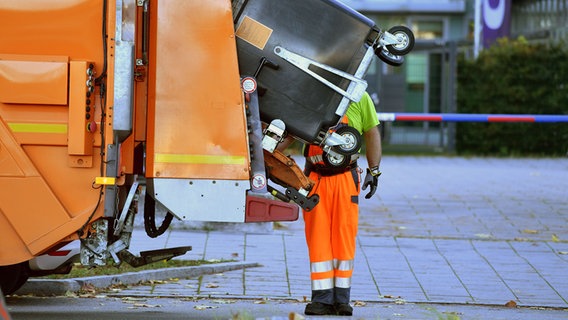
x: 444, y: 28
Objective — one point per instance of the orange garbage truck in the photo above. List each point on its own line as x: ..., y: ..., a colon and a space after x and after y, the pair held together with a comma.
x: 172, y: 106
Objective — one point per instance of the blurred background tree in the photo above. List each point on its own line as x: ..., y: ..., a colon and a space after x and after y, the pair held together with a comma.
x: 514, y: 77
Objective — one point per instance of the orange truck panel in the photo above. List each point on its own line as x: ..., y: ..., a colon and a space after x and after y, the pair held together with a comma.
x: 25, y: 81
x: 49, y: 151
x: 29, y: 220
x: 197, y: 124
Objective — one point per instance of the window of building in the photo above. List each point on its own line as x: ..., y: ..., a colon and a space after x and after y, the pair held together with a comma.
x: 428, y: 29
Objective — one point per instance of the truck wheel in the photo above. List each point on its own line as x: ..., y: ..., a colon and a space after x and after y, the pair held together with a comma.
x: 389, y: 58
x: 12, y: 277
x: 353, y: 137
x: 407, y: 43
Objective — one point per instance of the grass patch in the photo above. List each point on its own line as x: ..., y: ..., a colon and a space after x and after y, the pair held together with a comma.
x: 80, y: 271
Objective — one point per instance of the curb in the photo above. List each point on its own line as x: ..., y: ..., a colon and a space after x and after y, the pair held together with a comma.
x: 53, y: 287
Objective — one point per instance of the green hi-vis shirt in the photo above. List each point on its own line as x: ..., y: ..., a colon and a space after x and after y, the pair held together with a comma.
x: 362, y: 115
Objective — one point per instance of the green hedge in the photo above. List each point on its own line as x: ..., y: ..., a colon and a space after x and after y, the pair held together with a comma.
x: 514, y: 77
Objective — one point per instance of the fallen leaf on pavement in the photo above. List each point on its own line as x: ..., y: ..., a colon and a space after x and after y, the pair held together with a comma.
x: 158, y: 281
x: 223, y: 301
x: 359, y: 304
x: 562, y: 252
x: 132, y: 299
x: 212, y: 285
x: 555, y: 238
x: 295, y: 316
x: 188, y: 299
x: 88, y: 288
x: 204, y: 307
x: 511, y: 304
x: 530, y: 231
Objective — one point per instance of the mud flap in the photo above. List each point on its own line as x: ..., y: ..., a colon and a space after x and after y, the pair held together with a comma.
x: 261, y: 209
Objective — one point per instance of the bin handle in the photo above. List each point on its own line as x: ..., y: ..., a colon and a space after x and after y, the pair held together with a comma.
x: 355, y: 93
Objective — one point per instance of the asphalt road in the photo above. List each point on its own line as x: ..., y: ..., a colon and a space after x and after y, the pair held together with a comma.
x: 110, y: 308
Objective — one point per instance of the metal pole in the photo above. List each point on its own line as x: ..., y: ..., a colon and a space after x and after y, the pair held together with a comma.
x: 473, y: 117
x: 477, y: 28
x: 452, y: 92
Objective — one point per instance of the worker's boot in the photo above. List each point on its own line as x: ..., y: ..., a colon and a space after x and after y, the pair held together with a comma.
x: 342, y: 298
x: 322, y: 303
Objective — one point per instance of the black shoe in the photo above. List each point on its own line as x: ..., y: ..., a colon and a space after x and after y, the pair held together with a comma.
x: 319, y: 309
x: 343, y: 309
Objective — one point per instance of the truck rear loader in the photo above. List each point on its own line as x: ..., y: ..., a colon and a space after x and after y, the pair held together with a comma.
x: 179, y: 104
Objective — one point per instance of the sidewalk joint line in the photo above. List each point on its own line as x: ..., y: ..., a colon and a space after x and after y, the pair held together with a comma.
x: 286, y: 264
x: 494, y: 270
x: 369, y: 266
x: 244, y: 278
x: 453, y: 269
x: 411, y: 269
x: 536, y: 271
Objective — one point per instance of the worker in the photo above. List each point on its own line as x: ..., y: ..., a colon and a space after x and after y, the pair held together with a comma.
x: 331, y: 226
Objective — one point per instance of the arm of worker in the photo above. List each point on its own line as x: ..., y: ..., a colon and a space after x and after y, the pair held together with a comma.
x: 374, y: 155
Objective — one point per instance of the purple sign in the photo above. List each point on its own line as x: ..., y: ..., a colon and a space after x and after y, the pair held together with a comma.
x: 496, y: 19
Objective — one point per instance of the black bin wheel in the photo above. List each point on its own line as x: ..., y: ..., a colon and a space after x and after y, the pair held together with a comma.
x: 389, y: 58
x: 407, y: 43
x: 353, y: 137
x: 339, y: 161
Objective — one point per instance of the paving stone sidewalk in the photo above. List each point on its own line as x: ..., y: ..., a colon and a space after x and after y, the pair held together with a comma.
x: 478, y: 231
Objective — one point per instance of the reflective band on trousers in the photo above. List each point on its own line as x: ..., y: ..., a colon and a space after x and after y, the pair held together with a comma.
x: 343, y: 272
x: 323, y: 266
x: 322, y: 275
x: 323, y: 284
x: 343, y: 282
x: 343, y: 265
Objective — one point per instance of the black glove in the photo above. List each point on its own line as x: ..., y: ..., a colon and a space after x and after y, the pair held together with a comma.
x: 371, y: 179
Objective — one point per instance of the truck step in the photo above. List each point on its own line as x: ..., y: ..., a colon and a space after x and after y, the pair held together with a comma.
x: 147, y: 257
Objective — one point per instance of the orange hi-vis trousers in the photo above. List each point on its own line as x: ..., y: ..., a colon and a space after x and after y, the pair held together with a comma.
x: 331, y: 229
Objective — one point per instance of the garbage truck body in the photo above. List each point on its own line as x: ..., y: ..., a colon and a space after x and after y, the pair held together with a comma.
x: 170, y: 105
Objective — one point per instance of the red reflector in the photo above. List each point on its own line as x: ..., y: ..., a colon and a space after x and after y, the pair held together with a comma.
x: 60, y: 253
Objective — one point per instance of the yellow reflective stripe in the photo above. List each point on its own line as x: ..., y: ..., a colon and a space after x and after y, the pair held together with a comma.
x: 37, y: 127
x: 105, y: 180
x: 198, y: 159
